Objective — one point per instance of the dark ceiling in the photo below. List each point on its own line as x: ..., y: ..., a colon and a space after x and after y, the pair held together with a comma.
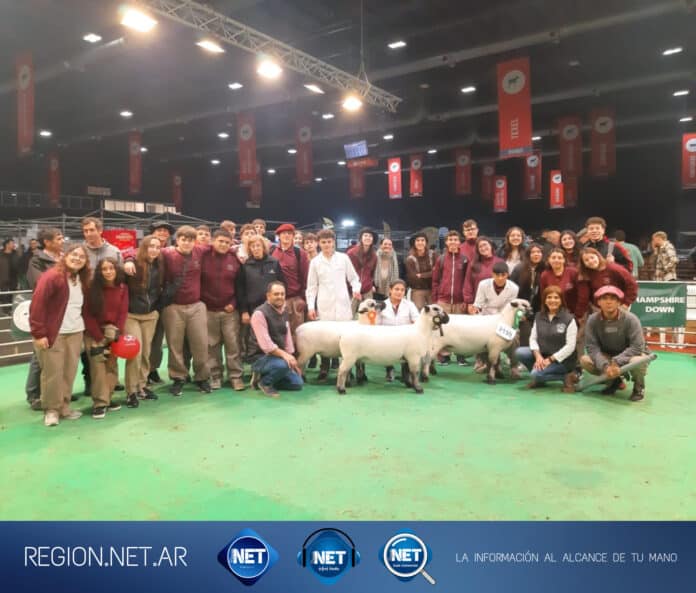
x: 180, y: 98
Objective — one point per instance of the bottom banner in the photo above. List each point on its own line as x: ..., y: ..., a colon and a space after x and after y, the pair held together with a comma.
x: 351, y: 556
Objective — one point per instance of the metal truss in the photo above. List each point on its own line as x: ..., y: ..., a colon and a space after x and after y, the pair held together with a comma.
x: 203, y: 18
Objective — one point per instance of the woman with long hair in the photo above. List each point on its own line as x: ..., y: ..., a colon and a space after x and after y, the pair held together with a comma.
x: 551, y: 354
x: 527, y: 275
x: 595, y: 271
x: 512, y: 250
x: 144, y: 290
x: 57, y: 327
x: 363, y: 256
x: 386, y: 270
x: 479, y: 269
x: 571, y: 248
x: 559, y: 273
x: 398, y: 311
x: 419, y: 265
x: 105, y: 312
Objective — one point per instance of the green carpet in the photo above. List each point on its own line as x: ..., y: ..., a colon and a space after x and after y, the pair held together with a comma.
x: 464, y: 450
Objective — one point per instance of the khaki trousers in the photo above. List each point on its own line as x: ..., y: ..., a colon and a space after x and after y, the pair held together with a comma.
x: 190, y: 321
x: 142, y: 326
x: 104, y: 374
x: 58, y: 369
x: 453, y: 309
x: 223, y: 328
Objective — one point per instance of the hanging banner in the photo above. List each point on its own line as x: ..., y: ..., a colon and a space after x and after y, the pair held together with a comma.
x: 416, y: 176
x: 462, y: 171
x: 602, y: 143
x: 177, y: 191
x: 570, y: 192
x: 256, y: 189
x: 556, y: 198
x: 689, y: 161
x: 356, y: 177
x: 24, y: 68
x: 303, y: 158
x: 514, y: 108
x: 394, y: 176
x: 532, y: 176
x: 246, y: 146
x: 135, y: 163
x: 500, y: 193
x: 487, y: 174
x: 661, y: 304
x: 363, y: 163
x: 54, y: 179
x: 570, y: 144
x: 121, y: 238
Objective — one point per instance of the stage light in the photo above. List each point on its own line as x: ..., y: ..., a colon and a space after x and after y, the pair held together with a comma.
x: 211, y: 46
x: 137, y: 20
x: 314, y: 88
x: 269, y: 69
x: 92, y: 38
x: 352, y: 103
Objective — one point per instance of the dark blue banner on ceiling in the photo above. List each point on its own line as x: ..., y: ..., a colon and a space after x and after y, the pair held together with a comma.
x: 387, y: 557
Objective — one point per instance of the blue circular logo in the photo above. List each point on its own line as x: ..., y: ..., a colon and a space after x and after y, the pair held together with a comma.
x: 405, y: 555
x: 248, y: 557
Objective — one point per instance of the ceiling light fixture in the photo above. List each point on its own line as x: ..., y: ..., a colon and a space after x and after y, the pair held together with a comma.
x: 327, y: 116
x: 574, y: 63
x: 292, y: 150
x: 210, y: 46
x: 138, y: 20
x: 271, y: 171
x: 535, y: 138
x: 341, y: 163
x: 235, y: 85
x: 269, y: 69
x: 215, y: 162
x: 352, y: 103
x: 397, y: 44
x: 143, y: 149
x: 468, y: 89
x: 92, y: 38
x: 318, y: 179
x: 432, y: 151
x: 223, y: 135
x: 388, y: 136
x: 681, y: 93
x: 686, y: 119
x: 672, y: 50
x: 125, y: 113
x: 314, y: 88
x: 45, y: 133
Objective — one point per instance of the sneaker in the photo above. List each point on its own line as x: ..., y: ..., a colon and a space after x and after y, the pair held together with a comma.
x: 215, y: 383
x: 119, y: 387
x: 153, y: 378
x: 204, y: 386
x: 638, y: 393
x: 237, y: 384
x: 114, y: 407
x: 71, y: 414
x: 99, y: 413
x: 147, y: 394
x: 132, y: 400
x: 442, y: 361
x: 612, y: 387
x: 51, y: 418
x: 255, y: 379
x: 462, y: 361
x: 177, y: 387
x: 269, y: 390
x: 35, y: 404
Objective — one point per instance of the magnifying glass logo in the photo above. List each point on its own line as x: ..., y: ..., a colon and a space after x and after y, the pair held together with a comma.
x: 405, y: 555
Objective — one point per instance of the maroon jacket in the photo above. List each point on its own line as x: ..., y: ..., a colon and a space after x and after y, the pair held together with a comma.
x: 614, y: 275
x: 468, y: 248
x: 473, y: 277
x: 569, y: 285
x: 218, y: 278
x: 48, y: 305
x: 449, y: 272
x: 295, y: 276
x: 364, y: 266
x: 115, y: 312
x: 189, y: 291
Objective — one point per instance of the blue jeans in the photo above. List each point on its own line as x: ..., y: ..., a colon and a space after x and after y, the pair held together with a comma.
x: 554, y: 372
x: 276, y: 372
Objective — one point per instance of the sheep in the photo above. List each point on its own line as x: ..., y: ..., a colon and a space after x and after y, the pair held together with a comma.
x: 471, y: 334
x: 386, y: 345
x: 322, y: 337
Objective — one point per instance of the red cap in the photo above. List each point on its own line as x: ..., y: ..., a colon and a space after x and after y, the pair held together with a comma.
x: 609, y: 289
x: 285, y: 227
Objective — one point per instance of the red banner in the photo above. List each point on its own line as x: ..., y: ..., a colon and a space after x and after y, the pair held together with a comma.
x: 256, y: 189
x: 500, y: 193
x: 556, y: 198
x: 135, y: 163
x: 603, y: 143
x: 54, y: 179
x: 532, y: 176
x: 357, y: 182
x: 121, y: 238
x: 394, y: 168
x: 570, y: 143
x: 303, y: 158
x: 416, y: 176
x: 689, y: 161
x: 487, y: 174
x: 25, y: 103
x: 363, y: 163
x: 246, y: 144
x: 514, y: 108
x: 570, y: 192
x: 462, y: 172
x: 177, y: 191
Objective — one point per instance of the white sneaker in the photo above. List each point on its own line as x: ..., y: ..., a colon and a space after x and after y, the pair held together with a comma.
x: 215, y: 383
x: 72, y: 415
x: 51, y: 418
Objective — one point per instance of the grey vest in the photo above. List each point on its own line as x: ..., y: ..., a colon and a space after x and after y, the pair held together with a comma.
x: 551, y: 335
x: 277, y: 329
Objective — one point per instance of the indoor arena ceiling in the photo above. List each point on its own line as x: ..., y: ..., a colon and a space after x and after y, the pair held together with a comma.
x: 583, y: 55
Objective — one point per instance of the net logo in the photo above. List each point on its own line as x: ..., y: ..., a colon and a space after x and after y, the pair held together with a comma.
x: 405, y: 555
x: 329, y: 554
x: 248, y: 556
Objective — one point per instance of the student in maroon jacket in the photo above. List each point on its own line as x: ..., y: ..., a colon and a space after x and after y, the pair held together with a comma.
x: 105, y: 312
x: 480, y: 268
x: 595, y: 272
x: 448, y: 276
x: 55, y: 316
x: 363, y: 256
x: 470, y: 232
x: 219, y: 270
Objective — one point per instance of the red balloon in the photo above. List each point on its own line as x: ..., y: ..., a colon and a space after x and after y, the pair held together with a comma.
x: 126, y: 346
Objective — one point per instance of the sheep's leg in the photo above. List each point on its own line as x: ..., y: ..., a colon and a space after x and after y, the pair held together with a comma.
x: 425, y: 368
x: 514, y: 362
x: 343, y: 371
x: 493, y: 361
x: 414, y: 368
x: 360, y: 375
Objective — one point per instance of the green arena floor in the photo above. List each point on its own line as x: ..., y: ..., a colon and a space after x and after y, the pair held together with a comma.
x: 462, y: 451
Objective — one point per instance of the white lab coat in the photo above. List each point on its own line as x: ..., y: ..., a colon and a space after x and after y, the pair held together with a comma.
x: 326, y: 286
x: 406, y: 314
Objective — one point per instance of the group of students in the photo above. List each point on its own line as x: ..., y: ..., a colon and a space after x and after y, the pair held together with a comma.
x: 209, y: 290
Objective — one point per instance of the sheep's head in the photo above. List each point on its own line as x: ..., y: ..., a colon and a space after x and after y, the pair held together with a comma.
x: 522, y: 308
x: 369, y: 309
x: 437, y: 314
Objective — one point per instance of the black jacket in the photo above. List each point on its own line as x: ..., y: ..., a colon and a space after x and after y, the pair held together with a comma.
x: 142, y: 300
x: 253, y: 280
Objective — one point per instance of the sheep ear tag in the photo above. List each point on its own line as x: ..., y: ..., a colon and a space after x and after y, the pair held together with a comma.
x: 372, y: 317
x: 519, y: 315
x: 505, y: 331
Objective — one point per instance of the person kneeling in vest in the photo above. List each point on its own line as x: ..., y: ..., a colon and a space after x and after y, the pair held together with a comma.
x: 614, y: 338
x: 270, y: 346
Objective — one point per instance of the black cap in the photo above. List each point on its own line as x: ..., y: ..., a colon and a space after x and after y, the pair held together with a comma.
x: 159, y: 224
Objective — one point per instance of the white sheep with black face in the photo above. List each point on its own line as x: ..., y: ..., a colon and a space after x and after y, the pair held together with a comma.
x: 390, y: 344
